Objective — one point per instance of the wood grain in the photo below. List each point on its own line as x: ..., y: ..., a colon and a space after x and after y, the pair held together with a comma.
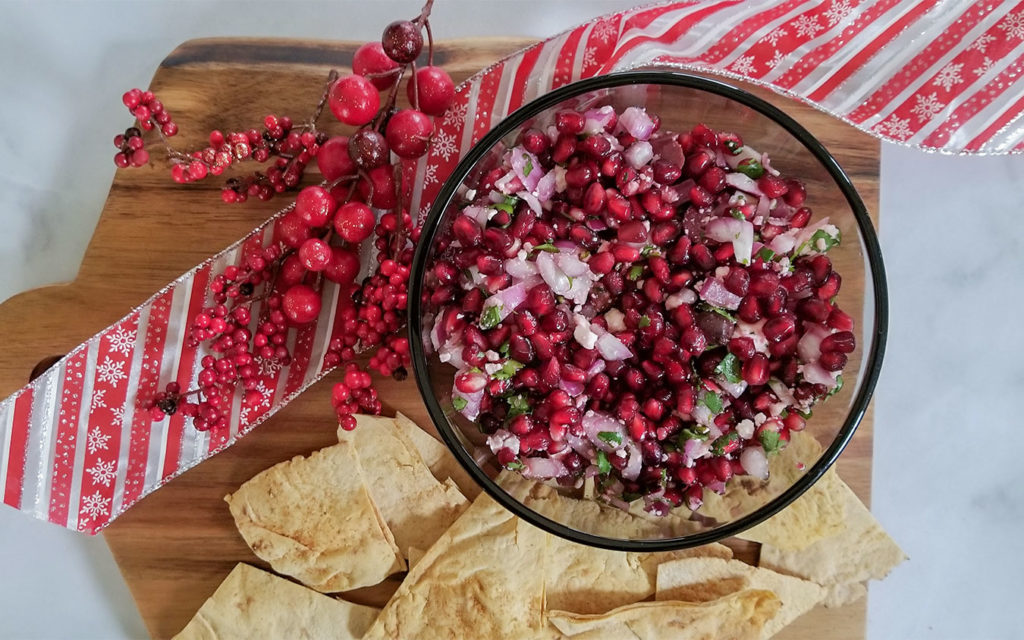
x: 176, y: 546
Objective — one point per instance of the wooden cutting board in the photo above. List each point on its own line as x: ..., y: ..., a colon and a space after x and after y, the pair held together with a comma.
x: 176, y: 545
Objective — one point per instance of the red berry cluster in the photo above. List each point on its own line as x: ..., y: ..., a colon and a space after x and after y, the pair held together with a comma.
x: 318, y: 238
x: 149, y: 111
x: 131, y: 152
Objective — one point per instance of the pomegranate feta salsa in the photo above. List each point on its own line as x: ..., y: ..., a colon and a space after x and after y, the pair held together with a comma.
x: 649, y: 309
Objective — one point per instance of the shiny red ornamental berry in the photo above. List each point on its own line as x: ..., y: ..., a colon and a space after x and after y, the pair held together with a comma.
x: 314, y: 206
x: 315, y: 254
x: 368, y: 149
x: 371, y: 62
x: 354, y: 222
x: 344, y: 266
x: 380, y: 190
x: 301, y: 304
x: 354, y: 100
x: 333, y: 160
x: 402, y: 41
x: 291, y: 230
x: 292, y: 271
x: 431, y: 90
x: 408, y: 133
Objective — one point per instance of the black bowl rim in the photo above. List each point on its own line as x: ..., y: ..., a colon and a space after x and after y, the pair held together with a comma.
x: 868, y: 236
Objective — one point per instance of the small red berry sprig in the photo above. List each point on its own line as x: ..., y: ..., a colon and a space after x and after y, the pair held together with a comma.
x: 317, y: 238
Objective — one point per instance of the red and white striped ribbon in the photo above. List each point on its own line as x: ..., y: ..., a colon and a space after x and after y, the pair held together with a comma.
x: 77, y: 446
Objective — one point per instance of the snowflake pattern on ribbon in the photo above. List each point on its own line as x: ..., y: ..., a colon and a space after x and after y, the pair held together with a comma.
x: 444, y: 144
x: 775, y: 35
x: 984, y: 67
x: 96, y: 440
x: 103, y: 472
x: 97, y: 400
x: 95, y: 506
x: 949, y: 76
x: 456, y: 115
x: 838, y: 12
x: 1013, y: 25
x: 927, y: 106
x: 896, y: 127
x: 430, y: 174
x: 744, y: 64
x: 122, y: 341
x: 111, y: 371
x: 981, y: 44
x: 807, y: 26
x: 605, y: 30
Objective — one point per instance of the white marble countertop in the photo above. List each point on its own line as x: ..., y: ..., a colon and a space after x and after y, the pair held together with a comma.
x: 946, y: 466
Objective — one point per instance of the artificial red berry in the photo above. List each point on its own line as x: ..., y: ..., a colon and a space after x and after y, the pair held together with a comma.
x: 291, y: 230
x: 333, y: 160
x: 301, y: 304
x: 408, y: 133
x: 315, y: 254
x: 431, y: 90
x: 314, y: 206
x: 402, y: 41
x: 354, y: 100
x: 368, y: 149
x: 344, y: 265
x: 354, y: 222
x: 371, y: 62
x: 380, y: 189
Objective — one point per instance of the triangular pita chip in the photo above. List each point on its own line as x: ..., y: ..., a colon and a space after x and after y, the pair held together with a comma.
x: 313, y: 519
x: 416, y: 507
x: 251, y: 603
x: 816, y: 515
x: 702, y: 579
x: 480, y: 580
x: 584, y: 579
x: 437, y: 456
x: 738, y: 616
x: 861, y: 551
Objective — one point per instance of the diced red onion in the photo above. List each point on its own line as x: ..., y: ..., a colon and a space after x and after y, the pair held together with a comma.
x: 739, y: 232
x: 816, y: 374
x: 595, y: 422
x: 743, y: 182
x: 783, y: 243
x: 531, y: 200
x: 571, y: 265
x: 480, y: 214
x: 596, y: 368
x: 451, y: 353
x: 508, y: 183
x: 583, y: 333
x: 766, y: 162
x: 527, y: 167
x: 503, y: 439
x: 636, y: 121
x: 754, y: 462
x: 667, y: 148
x: 508, y: 299
x: 634, y: 461
x: 734, y: 389
x: 618, y: 503
x: 571, y: 387
x: 611, y: 348
x: 702, y: 415
x: 543, y: 468
x: 764, y: 207
x: 693, y: 450
x: 598, y: 119
x: 546, y: 187
x: 809, y: 346
x: 717, y: 486
x: 638, y: 154
x: 520, y: 268
x: 472, y: 408
x: 782, y: 391
x: 745, y: 153
x: 553, y: 276
x: 714, y: 292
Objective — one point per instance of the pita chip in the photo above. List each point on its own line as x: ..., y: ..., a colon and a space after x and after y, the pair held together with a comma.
x: 861, y: 551
x: 478, y: 581
x: 416, y: 507
x: 584, y: 579
x: 251, y: 603
x: 313, y: 519
x: 701, y: 579
x: 738, y: 616
x: 436, y: 456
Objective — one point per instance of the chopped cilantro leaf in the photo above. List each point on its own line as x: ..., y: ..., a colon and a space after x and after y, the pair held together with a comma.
x: 644, y: 322
x: 733, y: 146
x: 503, y: 349
x: 751, y: 168
x: 490, y: 317
x: 696, y: 432
x: 603, y: 465
x: 528, y: 167
x: 836, y: 389
x: 703, y: 306
x: 507, y: 370
x: 766, y: 254
x: 518, y: 405
x: 770, y: 440
x: 547, y: 246
x: 504, y: 206
x: 610, y: 437
x: 635, y: 272
x: 712, y: 401
x: 649, y: 250
x: 459, y: 403
x: 725, y: 444
x: 729, y: 368
x: 736, y: 213
x: 821, y: 242
x: 515, y: 465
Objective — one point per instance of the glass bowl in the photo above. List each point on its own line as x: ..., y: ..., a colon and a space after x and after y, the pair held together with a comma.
x: 681, y: 101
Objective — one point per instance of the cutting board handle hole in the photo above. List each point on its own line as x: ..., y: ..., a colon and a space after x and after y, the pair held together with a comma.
x: 42, y: 366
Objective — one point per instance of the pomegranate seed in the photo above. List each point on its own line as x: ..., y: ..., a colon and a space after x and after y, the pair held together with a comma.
x: 841, y: 342
x: 527, y: 378
x: 755, y: 370
x: 632, y: 232
x: 697, y: 163
x: 701, y: 197
x: 540, y: 300
x: 683, y: 316
x: 693, y: 497
x: 598, y: 385
x: 594, y: 198
x: 813, y: 309
x: 469, y: 382
x: 738, y: 281
x: 537, y: 440
x: 830, y: 287
x: 821, y: 268
x: 664, y: 233
x: 800, y: 218
x: 534, y: 141
x: 742, y: 347
x: 520, y: 348
x: 579, y: 175
x: 601, y: 263
x: 713, y: 180
x: 772, y: 186
x: 722, y: 467
x: 833, y: 360
x: 763, y: 283
x: 694, y: 340
x: 795, y: 192
x: 840, y: 320
x: 569, y: 121
x: 783, y: 348
x: 749, y: 310
x: 526, y: 322
x: 542, y: 344
x: 794, y: 422
x: 551, y: 372
x: 665, y: 172
x: 625, y: 253
x: 780, y: 328
x: 595, y: 146
x: 686, y: 475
